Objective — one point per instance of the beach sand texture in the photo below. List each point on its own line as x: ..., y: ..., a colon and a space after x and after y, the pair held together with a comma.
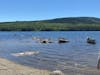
x: 11, y: 68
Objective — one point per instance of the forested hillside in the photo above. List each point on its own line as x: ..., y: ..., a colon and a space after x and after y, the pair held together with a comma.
x: 58, y: 24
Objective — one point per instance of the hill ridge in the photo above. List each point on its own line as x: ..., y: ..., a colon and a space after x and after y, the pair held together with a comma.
x: 57, y: 24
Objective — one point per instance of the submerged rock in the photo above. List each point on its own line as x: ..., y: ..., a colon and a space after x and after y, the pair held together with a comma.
x: 46, y: 41
x: 26, y: 53
x: 37, y: 38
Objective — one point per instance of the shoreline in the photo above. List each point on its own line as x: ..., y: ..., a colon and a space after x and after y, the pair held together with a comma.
x: 10, y: 68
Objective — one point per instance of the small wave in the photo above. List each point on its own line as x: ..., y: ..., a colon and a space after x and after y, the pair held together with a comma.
x: 80, y: 65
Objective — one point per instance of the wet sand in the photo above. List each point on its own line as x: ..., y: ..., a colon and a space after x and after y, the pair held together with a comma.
x: 79, y: 71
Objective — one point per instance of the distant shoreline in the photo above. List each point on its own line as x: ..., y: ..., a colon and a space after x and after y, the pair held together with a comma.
x: 48, y: 31
x: 59, y: 24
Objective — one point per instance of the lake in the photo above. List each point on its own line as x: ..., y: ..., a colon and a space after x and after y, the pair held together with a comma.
x: 75, y: 54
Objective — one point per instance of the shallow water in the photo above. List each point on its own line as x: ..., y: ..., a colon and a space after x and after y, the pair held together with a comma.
x: 75, y: 54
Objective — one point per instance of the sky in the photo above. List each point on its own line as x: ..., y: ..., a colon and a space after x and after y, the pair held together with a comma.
x: 30, y: 10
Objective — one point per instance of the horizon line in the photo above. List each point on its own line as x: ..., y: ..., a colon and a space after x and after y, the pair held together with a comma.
x: 48, y: 19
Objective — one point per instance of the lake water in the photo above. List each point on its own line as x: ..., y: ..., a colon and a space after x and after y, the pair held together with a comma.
x: 75, y: 54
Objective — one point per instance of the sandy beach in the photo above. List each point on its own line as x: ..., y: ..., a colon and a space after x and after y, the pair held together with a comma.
x: 10, y: 68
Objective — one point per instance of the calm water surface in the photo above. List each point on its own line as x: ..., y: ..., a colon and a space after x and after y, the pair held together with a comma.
x: 75, y: 54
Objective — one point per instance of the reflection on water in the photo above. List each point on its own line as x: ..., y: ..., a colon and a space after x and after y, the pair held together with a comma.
x: 75, y: 54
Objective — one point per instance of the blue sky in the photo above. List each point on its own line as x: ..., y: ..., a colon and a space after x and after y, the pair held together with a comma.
x: 21, y: 10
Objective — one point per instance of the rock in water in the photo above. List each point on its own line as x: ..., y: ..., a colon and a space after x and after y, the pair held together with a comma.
x: 62, y: 40
x: 56, y: 72
x: 91, y: 41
